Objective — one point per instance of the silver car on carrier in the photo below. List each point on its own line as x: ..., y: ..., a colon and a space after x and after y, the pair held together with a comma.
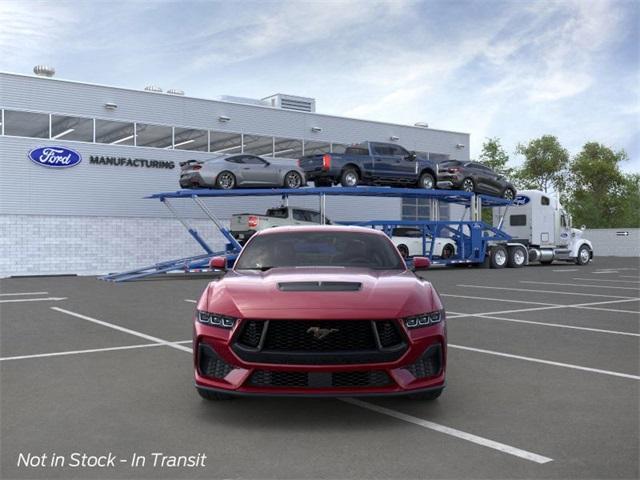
x: 241, y: 170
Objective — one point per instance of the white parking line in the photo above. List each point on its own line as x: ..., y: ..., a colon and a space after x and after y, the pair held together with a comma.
x: 20, y: 300
x: 567, y: 270
x: 123, y: 329
x: 587, y: 306
x: 605, y: 280
x: 469, y: 437
x: 533, y: 290
x: 544, y: 324
x: 23, y: 293
x: 546, y: 362
x: 92, y: 350
x: 499, y: 299
x: 581, y: 285
x: 628, y: 276
x: 190, y: 301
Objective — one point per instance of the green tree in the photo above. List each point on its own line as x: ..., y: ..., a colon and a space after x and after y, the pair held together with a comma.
x: 494, y: 156
x: 600, y: 195
x: 545, y: 164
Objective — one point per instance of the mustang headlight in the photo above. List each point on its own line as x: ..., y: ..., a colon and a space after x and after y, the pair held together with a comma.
x: 216, y: 319
x: 424, y: 319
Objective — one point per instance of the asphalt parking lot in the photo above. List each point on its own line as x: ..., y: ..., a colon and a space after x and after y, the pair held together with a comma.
x: 543, y: 380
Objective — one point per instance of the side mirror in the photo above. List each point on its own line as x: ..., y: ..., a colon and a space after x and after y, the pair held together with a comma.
x: 218, y: 263
x: 421, y: 263
x: 412, y: 156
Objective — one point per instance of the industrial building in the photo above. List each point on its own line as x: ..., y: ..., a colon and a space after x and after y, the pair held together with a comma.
x: 93, y: 218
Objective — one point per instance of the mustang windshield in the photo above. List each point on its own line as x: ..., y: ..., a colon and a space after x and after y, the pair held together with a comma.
x: 320, y: 249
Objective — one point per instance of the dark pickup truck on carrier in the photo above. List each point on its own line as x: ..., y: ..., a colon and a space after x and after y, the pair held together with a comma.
x: 371, y: 163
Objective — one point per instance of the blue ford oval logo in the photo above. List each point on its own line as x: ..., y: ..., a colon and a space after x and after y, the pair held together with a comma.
x: 55, y: 157
x: 521, y: 200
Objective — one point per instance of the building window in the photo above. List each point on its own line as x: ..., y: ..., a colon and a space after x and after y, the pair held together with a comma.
x: 287, y: 148
x: 315, y: 148
x: 26, y: 124
x: 71, y: 128
x: 258, y: 145
x: 114, y: 133
x: 157, y: 136
x: 190, y: 139
x: 225, y: 142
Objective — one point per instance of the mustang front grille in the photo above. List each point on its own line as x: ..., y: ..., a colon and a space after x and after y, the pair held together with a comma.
x: 319, y: 342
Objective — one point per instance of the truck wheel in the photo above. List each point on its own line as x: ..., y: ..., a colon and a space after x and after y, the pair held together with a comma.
x: 448, y: 251
x: 349, y: 178
x: 468, y: 185
x: 293, y: 179
x: 498, y: 257
x: 517, y: 257
x: 426, y: 181
x: 226, y: 180
x: 404, y: 250
x: 213, y: 396
x: 584, y: 255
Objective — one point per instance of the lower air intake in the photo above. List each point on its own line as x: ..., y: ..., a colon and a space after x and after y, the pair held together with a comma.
x: 210, y: 365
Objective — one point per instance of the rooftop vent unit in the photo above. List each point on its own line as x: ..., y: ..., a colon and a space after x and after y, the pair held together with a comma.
x: 175, y: 91
x: 44, y: 71
x: 153, y: 88
x: 291, y: 102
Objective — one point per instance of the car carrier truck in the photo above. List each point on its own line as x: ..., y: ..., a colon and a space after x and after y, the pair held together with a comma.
x: 538, y: 225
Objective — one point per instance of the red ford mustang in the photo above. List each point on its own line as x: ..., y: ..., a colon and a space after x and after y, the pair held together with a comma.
x: 320, y: 311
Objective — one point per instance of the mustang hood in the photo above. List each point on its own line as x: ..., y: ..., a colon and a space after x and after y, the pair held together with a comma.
x: 320, y: 293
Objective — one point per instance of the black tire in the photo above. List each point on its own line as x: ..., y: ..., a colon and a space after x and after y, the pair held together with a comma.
x: 292, y: 180
x: 468, y: 185
x: 448, y: 251
x: 428, y: 396
x: 225, y: 180
x: 404, y: 250
x: 499, y: 257
x: 584, y: 255
x: 214, y: 396
x: 517, y: 257
x: 427, y: 181
x: 509, y: 194
x: 349, y: 177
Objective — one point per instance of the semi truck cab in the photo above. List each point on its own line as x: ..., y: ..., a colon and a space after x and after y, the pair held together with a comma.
x: 540, y: 223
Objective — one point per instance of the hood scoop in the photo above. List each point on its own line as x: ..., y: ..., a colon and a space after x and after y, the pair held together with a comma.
x: 319, y: 286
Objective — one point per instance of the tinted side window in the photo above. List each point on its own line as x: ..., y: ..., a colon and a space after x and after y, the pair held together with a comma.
x: 251, y: 160
x: 234, y: 160
x: 518, y: 220
x: 313, y: 217
x: 300, y: 215
x: 277, y: 212
x: 544, y: 201
x: 399, y: 151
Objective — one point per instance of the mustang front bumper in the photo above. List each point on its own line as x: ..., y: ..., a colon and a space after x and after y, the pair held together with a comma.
x: 421, y: 367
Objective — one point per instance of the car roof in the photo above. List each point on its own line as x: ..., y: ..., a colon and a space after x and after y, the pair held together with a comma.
x: 319, y: 228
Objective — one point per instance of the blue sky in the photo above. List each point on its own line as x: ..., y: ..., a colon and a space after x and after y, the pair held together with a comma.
x: 514, y: 70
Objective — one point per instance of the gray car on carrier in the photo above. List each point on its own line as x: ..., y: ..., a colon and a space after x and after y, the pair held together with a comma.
x: 241, y: 170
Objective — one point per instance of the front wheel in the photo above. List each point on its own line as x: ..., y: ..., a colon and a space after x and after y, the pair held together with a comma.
x: 426, y: 181
x: 428, y: 396
x: 468, y: 185
x: 349, y: 178
x: 584, y: 255
x: 293, y: 179
x: 509, y: 194
x: 226, y: 180
x: 448, y: 251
